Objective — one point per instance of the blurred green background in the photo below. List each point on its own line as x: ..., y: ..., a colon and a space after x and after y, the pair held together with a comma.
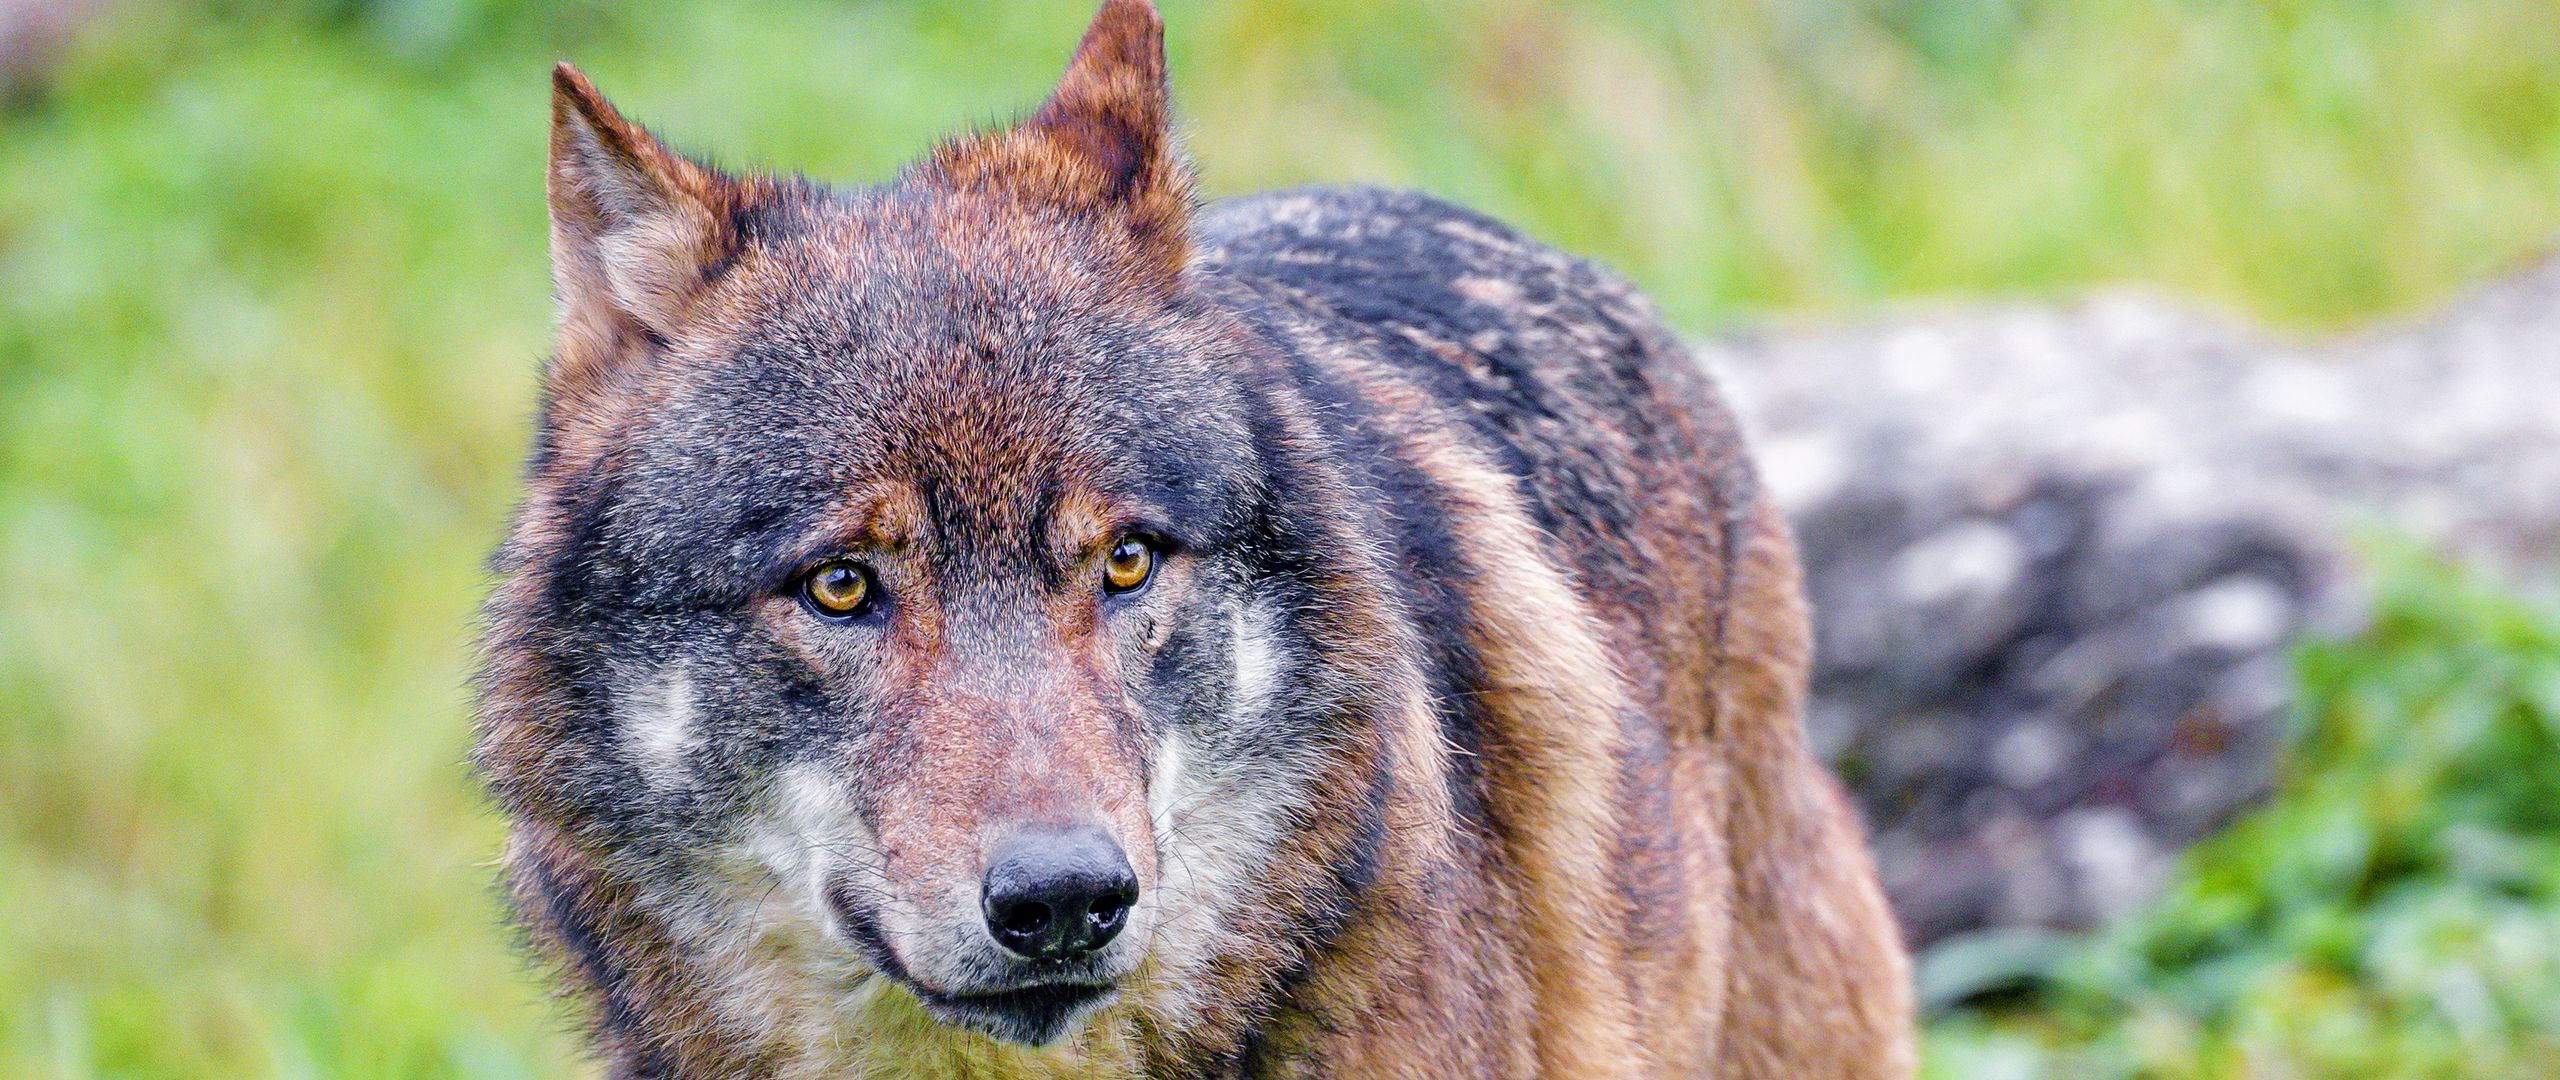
x: 272, y: 294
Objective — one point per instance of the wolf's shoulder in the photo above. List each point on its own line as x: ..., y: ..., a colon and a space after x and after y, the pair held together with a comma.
x: 1563, y: 372
x: 1405, y: 262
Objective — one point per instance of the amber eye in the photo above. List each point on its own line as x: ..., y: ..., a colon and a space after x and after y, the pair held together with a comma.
x: 1131, y: 562
x: 838, y: 589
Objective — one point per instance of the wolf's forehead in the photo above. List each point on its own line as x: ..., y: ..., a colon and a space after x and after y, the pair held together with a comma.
x: 895, y: 453
x: 904, y: 252
x: 939, y: 432
x: 981, y: 476
x: 991, y: 393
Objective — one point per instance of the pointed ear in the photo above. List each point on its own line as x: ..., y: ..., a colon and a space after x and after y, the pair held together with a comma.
x: 1102, y: 143
x: 637, y: 231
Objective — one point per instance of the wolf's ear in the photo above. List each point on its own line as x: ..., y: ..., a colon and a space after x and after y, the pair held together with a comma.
x: 1103, y: 142
x: 637, y: 231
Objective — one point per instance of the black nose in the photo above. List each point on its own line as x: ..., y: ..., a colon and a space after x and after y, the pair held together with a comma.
x: 1052, y: 894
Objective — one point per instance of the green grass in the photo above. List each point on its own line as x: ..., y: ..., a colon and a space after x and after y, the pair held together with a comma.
x: 272, y: 292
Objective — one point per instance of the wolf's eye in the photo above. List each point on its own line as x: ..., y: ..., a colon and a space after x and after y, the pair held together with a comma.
x: 838, y: 590
x: 1131, y: 562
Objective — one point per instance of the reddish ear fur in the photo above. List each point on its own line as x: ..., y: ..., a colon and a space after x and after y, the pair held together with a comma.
x: 636, y: 230
x: 1102, y: 144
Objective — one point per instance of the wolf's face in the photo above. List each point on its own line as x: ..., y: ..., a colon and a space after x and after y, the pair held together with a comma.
x: 898, y: 601
x: 903, y: 575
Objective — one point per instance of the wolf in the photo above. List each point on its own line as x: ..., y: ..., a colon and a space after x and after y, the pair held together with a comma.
x: 1015, y: 621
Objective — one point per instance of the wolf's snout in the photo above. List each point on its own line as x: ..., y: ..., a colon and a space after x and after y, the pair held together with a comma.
x: 1058, y: 893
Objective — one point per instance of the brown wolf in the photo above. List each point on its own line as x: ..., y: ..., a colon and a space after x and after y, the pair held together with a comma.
x: 1009, y: 623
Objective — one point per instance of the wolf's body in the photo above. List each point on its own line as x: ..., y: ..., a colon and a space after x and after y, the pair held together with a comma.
x: 1458, y: 734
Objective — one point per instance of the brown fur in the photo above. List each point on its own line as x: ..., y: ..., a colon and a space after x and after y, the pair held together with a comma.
x: 1615, y: 857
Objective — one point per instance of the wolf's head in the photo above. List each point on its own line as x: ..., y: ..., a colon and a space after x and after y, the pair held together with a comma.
x: 908, y: 597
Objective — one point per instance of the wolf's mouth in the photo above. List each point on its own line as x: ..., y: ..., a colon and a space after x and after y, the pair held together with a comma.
x: 1030, y: 1014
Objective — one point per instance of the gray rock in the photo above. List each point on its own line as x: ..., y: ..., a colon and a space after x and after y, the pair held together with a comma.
x: 2057, y: 556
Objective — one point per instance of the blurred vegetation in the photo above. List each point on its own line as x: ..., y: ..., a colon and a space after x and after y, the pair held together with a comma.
x: 2393, y: 912
x: 272, y: 292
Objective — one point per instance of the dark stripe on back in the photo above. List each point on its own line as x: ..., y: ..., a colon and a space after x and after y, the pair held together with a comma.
x: 1414, y: 513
